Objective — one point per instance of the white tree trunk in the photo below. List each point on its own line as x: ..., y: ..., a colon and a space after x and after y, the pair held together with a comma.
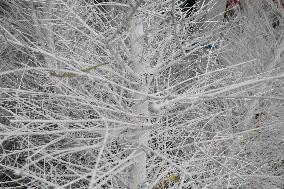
x: 215, y: 13
x: 48, y: 35
x: 138, y: 171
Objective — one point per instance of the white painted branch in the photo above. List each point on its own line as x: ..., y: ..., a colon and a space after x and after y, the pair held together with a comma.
x: 214, y: 14
x: 138, y: 171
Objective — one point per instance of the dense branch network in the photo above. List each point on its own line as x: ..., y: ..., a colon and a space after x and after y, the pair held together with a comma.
x: 68, y: 89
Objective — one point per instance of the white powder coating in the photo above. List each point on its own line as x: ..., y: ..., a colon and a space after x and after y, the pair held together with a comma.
x: 18, y: 172
x: 155, y: 107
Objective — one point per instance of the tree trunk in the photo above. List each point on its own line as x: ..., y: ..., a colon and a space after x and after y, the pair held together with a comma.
x: 138, y: 170
x: 215, y: 13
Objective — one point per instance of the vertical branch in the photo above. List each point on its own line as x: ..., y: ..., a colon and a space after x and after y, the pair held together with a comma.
x: 47, y: 34
x: 138, y: 171
x: 214, y: 13
x: 175, y: 30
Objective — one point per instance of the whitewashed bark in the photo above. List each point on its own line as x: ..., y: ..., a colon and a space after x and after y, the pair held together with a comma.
x: 46, y: 36
x: 215, y: 13
x: 138, y: 170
